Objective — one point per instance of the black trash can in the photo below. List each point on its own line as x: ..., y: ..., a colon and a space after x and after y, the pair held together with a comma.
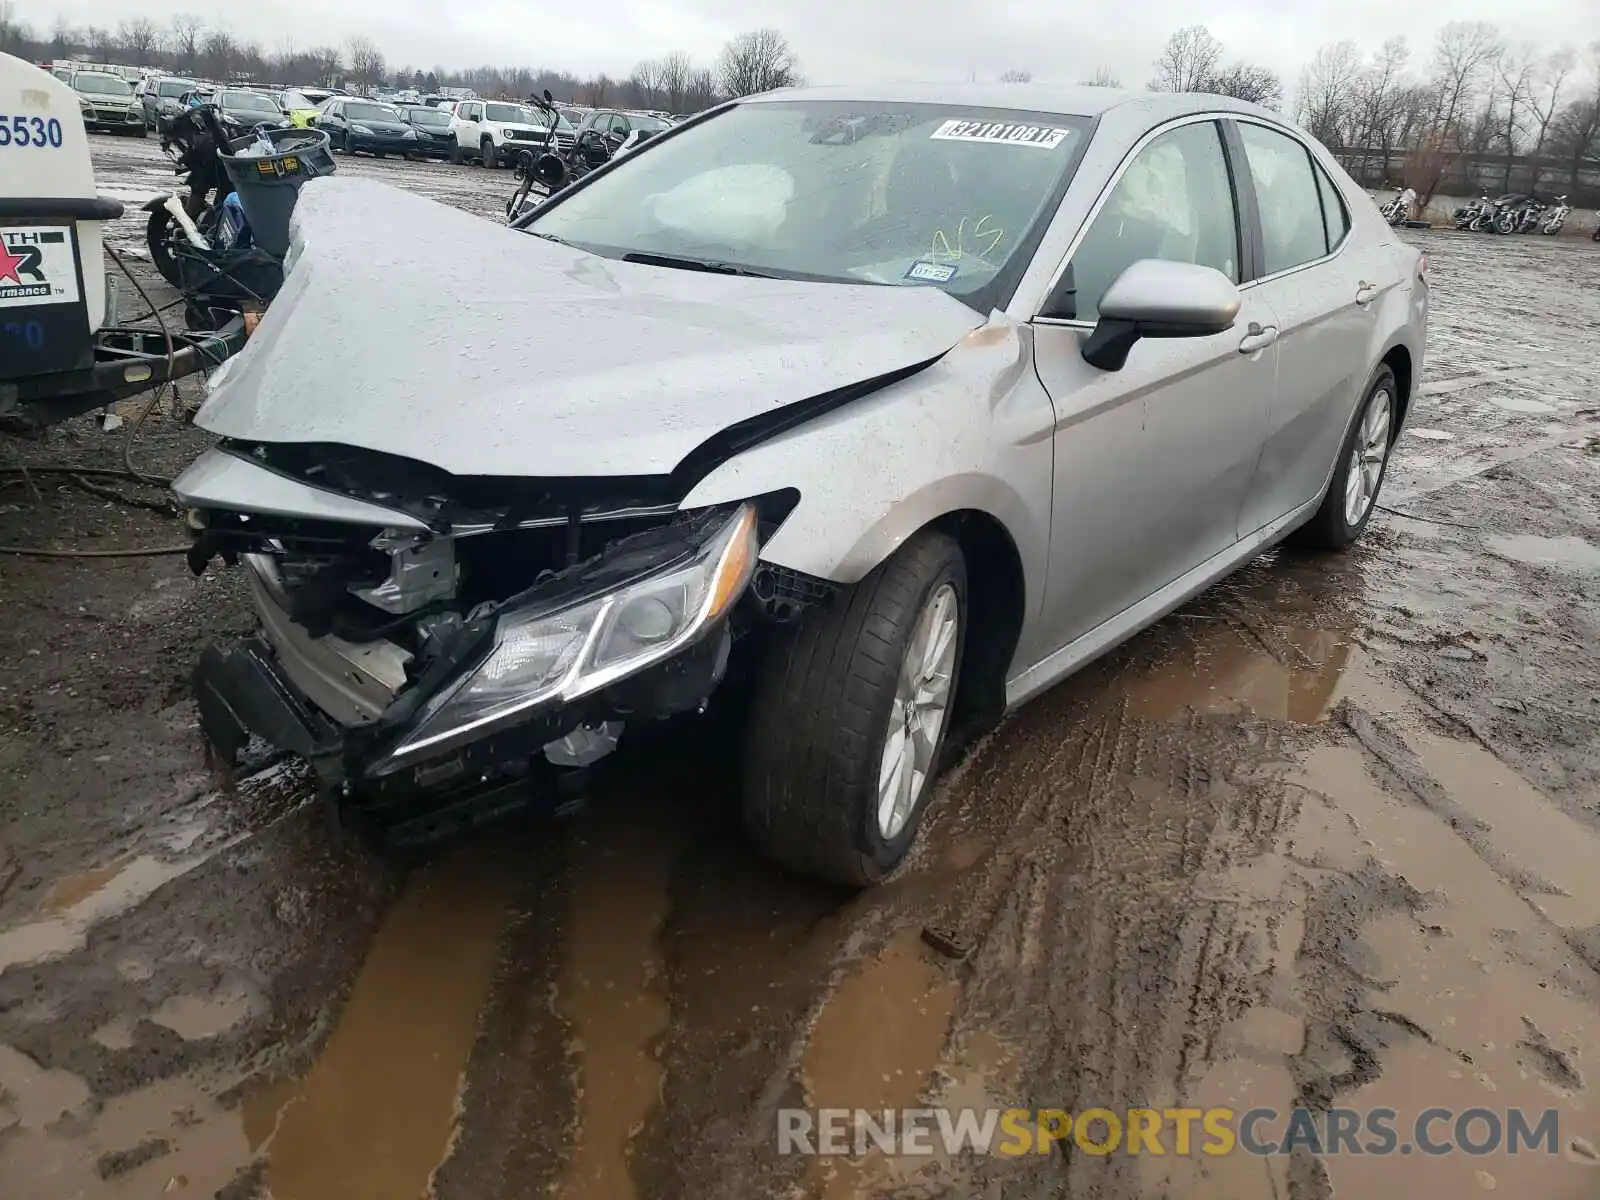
x: 267, y: 183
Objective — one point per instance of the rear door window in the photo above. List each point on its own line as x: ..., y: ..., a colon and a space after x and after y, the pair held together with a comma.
x: 1335, y: 220
x: 1287, y: 195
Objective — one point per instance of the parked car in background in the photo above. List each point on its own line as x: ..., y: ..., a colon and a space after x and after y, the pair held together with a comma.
x: 622, y: 130
x: 435, y: 138
x: 365, y: 126
x: 161, y: 98
x: 300, y: 105
x: 240, y: 111
x: 496, y: 131
x: 108, y: 103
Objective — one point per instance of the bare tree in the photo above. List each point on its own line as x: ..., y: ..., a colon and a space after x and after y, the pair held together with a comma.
x: 1463, y: 57
x: 758, y: 61
x: 1103, y: 77
x: 1245, y: 81
x: 676, y: 73
x: 594, y: 92
x: 186, y: 36
x: 328, y: 63
x: 644, y: 84
x: 1385, y: 103
x: 140, y: 39
x: 1016, y: 76
x: 1325, y: 102
x: 1187, y: 61
x: 1516, y: 73
x: 218, y: 54
x: 702, y: 91
x: 61, y: 37
x: 1545, y: 103
x: 99, y: 41
x: 12, y: 30
x: 366, y: 61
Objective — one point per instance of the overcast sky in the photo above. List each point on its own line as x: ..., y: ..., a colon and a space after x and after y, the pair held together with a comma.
x: 841, y: 41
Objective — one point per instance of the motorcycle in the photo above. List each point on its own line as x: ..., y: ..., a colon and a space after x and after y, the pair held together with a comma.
x: 1556, y: 217
x: 1472, y: 216
x: 203, y: 244
x: 195, y: 140
x: 1398, y: 211
x: 554, y: 168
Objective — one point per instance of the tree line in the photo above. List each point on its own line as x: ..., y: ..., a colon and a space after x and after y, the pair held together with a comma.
x: 1476, y: 93
x: 755, y: 61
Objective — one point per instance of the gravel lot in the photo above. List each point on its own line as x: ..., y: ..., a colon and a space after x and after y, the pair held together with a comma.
x: 1328, y: 835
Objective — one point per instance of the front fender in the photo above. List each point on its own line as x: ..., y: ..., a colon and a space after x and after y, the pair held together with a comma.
x: 971, y: 432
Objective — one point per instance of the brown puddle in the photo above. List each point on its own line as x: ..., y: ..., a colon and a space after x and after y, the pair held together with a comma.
x: 1230, y: 671
x: 197, y: 1017
x: 612, y: 994
x: 376, y: 1113
x: 1572, y: 553
x: 72, y: 889
x: 77, y: 903
x: 171, y: 1137
x: 875, y: 1044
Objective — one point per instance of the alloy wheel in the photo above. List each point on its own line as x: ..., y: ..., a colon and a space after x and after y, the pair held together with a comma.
x: 1365, y: 469
x: 917, y: 716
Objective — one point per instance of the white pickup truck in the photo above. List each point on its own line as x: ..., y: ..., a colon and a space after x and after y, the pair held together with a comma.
x: 496, y: 131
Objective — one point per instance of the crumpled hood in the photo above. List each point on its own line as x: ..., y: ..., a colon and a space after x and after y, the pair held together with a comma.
x: 414, y: 329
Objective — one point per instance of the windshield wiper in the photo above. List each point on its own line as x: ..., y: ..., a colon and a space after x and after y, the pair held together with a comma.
x: 549, y: 237
x: 692, y: 264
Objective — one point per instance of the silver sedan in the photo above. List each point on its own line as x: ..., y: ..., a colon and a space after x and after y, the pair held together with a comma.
x: 868, y: 412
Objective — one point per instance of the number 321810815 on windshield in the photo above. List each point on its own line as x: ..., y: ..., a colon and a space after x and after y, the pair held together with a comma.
x: 24, y: 132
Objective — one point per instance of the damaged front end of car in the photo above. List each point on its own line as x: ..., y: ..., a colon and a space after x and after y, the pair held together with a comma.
x: 434, y: 645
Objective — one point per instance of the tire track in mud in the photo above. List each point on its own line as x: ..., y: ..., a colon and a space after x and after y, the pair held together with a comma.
x: 1102, y: 958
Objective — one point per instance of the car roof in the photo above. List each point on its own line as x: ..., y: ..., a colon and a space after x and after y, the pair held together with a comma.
x: 1066, y: 100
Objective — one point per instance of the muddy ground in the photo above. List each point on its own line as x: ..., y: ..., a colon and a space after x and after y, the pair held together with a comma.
x: 1328, y: 835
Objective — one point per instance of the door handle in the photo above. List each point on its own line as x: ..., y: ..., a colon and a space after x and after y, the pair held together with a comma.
x: 1366, y: 293
x: 1258, y: 337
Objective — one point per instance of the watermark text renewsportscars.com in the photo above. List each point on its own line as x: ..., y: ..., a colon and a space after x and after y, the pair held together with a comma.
x: 1012, y: 1132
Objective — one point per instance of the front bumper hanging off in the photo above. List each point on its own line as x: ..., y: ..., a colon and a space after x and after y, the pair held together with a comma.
x: 246, y: 691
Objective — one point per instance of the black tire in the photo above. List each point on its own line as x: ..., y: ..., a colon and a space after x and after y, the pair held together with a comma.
x: 487, y: 153
x: 1330, y: 528
x: 820, y: 715
x: 455, y: 153
x: 158, y: 234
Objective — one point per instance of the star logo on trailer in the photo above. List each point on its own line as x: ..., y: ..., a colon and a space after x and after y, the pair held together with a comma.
x: 10, y: 264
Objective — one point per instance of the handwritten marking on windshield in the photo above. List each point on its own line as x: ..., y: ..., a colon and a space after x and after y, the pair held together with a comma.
x: 986, y: 227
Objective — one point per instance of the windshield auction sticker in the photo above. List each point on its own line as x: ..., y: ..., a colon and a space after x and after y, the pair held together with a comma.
x: 1000, y: 133
x: 37, y: 266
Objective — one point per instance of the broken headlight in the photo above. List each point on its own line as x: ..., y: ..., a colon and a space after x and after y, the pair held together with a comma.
x: 563, y: 655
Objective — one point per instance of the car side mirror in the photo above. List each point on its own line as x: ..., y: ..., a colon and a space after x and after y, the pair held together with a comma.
x: 1153, y: 298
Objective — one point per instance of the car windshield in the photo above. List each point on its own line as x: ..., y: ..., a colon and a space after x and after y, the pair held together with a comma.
x: 295, y: 101
x: 840, y: 190
x: 430, y: 117
x: 173, y: 88
x: 247, y: 102
x: 514, y: 113
x: 648, y: 123
x: 101, y: 85
x: 370, y: 112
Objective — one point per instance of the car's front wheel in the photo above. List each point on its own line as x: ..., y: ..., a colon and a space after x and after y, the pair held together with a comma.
x: 1359, y: 470
x: 850, y: 715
